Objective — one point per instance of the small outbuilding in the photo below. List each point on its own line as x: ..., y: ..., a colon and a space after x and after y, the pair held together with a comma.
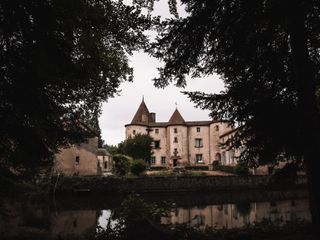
x: 105, y: 162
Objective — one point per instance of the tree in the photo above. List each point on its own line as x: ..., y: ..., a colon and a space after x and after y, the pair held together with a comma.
x: 138, y: 147
x: 138, y: 166
x: 267, y: 53
x: 122, y: 164
x: 112, y: 149
x: 59, y: 60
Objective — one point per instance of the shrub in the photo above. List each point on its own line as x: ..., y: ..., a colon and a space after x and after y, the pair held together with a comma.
x: 138, y: 167
x: 239, y: 169
x: 215, y: 163
x: 158, y: 168
x: 121, y: 164
x: 203, y: 168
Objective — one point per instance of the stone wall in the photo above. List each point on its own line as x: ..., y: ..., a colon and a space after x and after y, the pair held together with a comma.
x: 78, y: 159
x: 169, y: 184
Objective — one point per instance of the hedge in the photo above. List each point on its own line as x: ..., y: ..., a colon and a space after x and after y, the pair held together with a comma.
x: 158, y: 168
x: 238, y: 169
x: 203, y: 168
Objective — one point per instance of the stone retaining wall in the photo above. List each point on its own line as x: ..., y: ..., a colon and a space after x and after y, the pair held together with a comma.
x: 170, y: 184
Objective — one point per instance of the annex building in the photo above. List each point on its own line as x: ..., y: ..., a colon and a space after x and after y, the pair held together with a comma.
x: 183, y: 143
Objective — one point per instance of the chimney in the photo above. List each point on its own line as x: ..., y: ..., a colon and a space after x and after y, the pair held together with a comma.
x: 153, y: 117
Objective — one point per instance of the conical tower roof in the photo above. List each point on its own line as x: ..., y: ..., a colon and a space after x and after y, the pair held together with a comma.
x: 176, y: 118
x: 142, y: 115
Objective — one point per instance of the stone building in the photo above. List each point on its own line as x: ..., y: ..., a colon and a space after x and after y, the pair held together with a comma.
x: 80, y: 159
x: 105, y: 162
x: 180, y: 142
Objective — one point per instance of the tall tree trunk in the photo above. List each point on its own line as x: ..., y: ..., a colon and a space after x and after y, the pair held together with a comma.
x: 307, y: 104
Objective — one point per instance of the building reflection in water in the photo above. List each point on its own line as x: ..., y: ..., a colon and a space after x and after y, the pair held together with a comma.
x: 17, y: 218
x: 238, y: 215
x: 76, y: 223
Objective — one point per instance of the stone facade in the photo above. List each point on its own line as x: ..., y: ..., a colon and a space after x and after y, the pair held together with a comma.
x: 179, y: 142
x: 78, y: 159
x: 105, y: 162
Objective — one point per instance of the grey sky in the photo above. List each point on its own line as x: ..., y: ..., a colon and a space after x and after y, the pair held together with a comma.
x: 119, y: 111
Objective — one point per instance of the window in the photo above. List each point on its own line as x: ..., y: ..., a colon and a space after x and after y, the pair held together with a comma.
x: 200, y: 219
x: 134, y: 132
x: 163, y: 160
x: 175, y: 130
x: 153, y: 160
x: 217, y: 128
x: 175, y: 152
x: 77, y: 159
x: 105, y: 164
x: 175, y: 140
x: 198, y: 143
x: 157, y: 144
x: 199, y: 158
x: 157, y: 131
x: 198, y: 129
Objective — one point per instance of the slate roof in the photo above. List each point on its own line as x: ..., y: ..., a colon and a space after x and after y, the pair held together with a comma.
x: 176, y: 119
x: 142, y: 110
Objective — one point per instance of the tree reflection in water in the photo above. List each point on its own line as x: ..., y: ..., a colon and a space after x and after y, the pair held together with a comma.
x: 135, y: 219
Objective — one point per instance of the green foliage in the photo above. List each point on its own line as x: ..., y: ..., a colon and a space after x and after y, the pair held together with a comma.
x: 138, y: 147
x: 158, y: 168
x: 122, y: 164
x: 112, y: 149
x: 135, y: 219
x: 239, y: 169
x: 250, y: 45
x: 167, y: 173
x: 138, y: 167
x: 203, y: 168
x: 59, y: 61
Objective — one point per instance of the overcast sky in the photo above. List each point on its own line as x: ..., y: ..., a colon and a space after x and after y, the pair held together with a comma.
x: 120, y: 110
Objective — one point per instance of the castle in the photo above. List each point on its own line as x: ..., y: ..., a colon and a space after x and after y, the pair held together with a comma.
x: 183, y: 143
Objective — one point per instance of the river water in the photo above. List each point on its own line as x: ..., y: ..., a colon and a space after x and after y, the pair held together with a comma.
x: 78, y: 214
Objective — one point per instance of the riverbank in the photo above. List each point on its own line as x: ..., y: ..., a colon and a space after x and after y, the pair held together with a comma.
x: 174, y: 184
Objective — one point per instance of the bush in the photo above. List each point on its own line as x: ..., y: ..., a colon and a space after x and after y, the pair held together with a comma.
x: 203, y: 168
x: 138, y: 167
x: 158, y: 168
x: 239, y: 169
x: 121, y: 164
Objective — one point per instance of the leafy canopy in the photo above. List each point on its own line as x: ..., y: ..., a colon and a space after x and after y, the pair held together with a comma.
x: 250, y: 45
x: 59, y: 60
x: 137, y: 147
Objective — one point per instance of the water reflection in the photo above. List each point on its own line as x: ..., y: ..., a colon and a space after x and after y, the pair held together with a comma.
x: 238, y: 215
x: 18, y: 217
x: 76, y: 223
